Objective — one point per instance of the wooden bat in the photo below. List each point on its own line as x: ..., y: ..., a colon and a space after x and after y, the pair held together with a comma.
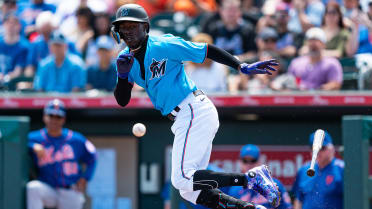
x: 317, y: 145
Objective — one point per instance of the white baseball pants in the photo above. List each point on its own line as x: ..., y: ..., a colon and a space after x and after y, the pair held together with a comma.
x: 40, y: 195
x: 194, y: 128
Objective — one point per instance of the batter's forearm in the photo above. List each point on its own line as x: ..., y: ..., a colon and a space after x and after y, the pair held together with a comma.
x: 123, y: 91
x: 222, y: 56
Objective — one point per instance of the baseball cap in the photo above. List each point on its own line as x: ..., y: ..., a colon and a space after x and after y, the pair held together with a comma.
x: 316, y: 33
x: 57, y: 37
x: 250, y: 150
x: 105, y: 42
x: 327, y: 139
x: 55, y: 107
x: 267, y: 33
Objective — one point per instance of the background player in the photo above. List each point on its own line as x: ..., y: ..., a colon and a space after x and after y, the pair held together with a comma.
x: 325, y: 189
x: 57, y: 153
x: 250, y: 158
x: 156, y: 64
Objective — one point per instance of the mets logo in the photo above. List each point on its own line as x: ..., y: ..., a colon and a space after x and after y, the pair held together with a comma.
x: 157, y: 68
x: 124, y: 12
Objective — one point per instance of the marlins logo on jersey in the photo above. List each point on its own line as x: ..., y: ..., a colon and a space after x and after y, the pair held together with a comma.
x: 157, y: 68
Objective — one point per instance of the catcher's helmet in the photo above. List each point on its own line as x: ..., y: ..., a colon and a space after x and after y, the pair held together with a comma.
x: 129, y: 12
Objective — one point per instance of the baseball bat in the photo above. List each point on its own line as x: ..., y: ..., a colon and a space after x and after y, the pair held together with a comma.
x: 317, y: 145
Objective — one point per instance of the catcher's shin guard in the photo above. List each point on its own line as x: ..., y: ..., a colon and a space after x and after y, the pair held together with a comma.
x: 215, y: 199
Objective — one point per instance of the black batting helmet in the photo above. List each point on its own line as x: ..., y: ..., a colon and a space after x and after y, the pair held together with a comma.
x: 131, y: 12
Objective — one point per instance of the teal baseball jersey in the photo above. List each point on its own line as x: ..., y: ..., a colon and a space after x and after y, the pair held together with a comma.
x: 165, y: 81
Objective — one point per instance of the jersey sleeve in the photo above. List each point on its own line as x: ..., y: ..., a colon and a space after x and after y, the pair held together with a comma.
x: 185, y: 50
x: 88, y: 156
x: 33, y: 138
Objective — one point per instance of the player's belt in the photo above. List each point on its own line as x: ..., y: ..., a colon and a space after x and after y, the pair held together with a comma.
x: 172, y: 115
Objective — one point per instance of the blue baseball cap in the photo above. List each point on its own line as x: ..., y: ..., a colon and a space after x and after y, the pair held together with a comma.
x: 250, y: 150
x: 105, y: 42
x: 55, y: 107
x: 57, y: 37
x: 327, y: 139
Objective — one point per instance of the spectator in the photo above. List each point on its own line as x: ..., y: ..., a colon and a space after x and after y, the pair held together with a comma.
x: 193, y: 7
x: 83, y: 31
x: 305, y: 14
x: 267, y: 49
x: 7, y: 6
x: 208, y: 76
x: 361, y: 28
x: 308, y: 13
x: 278, y: 81
x: 288, y: 42
x: 208, y: 20
x: 251, y: 8
x: 102, y: 76
x: 61, y: 71
x: 369, y: 11
x: 314, y: 71
x: 325, y: 189
x: 250, y: 158
x: 266, y: 40
x: 336, y: 33
x: 101, y: 27
x: 232, y: 33
x: 350, y: 7
x: 66, y: 11
x: 58, y: 154
x: 39, y: 49
x: 32, y: 10
x: 13, y: 50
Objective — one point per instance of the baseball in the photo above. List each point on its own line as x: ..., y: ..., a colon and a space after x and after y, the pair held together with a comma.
x: 139, y: 129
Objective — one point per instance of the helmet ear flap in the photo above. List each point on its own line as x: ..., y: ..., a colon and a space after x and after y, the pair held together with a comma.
x: 115, y: 34
x: 148, y: 28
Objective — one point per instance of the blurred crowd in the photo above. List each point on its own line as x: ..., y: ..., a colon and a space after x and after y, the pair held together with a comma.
x: 66, y: 46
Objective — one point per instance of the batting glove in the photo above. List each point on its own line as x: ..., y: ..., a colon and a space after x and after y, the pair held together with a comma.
x: 262, y: 67
x: 124, y: 63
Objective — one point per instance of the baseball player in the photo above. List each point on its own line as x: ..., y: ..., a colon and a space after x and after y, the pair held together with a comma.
x: 156, y: 64
x: 57, y: 153
x: 324, y: 190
